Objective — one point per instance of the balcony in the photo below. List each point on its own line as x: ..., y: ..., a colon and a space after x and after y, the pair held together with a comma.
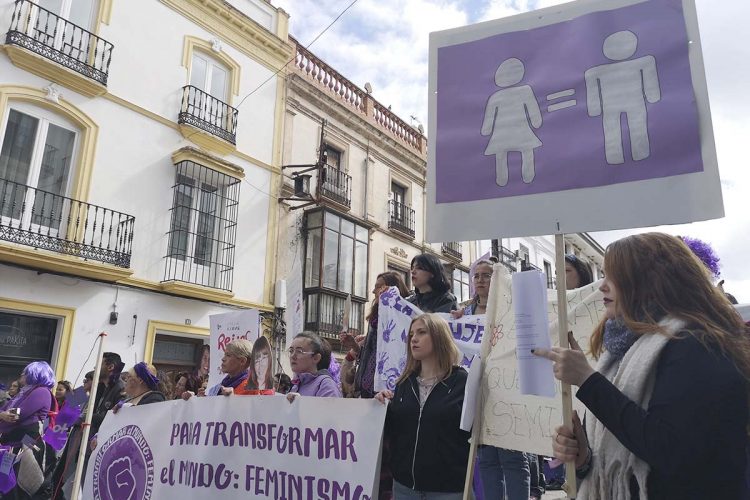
x: 48, y: 221
x: 325, y: 314
x: 453, y: 249
x: 50, y: 46
x: 505, y: 256
x: 528, y: 266
x: 358, y: 101
x: 203, y: 231
x: 401, y: 218
x: 208, y: 114
x: 336, y: 185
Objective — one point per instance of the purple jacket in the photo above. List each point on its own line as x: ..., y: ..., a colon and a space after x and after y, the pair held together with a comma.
x: 319, y: 384
x: 34, y: 402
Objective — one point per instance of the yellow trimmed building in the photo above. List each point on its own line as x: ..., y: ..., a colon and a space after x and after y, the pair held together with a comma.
x: 140, y: 155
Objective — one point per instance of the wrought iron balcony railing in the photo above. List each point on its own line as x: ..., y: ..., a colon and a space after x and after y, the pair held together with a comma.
x: 40, y: 219
x: 208, y: 113
x: 505, y: 256
x: 325, y: 314
x: 528, y: 266
x: 453, y: 249
x: 336, y: 185
x: 401, y: 218
x: 49, y: 35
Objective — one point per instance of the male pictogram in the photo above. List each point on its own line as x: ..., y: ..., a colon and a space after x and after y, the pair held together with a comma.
x: 623, y: 87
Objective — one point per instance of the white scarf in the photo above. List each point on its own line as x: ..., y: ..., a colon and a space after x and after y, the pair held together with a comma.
x: 613, y: 465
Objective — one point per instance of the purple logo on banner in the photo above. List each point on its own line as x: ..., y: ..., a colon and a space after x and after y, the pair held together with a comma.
x: 57, y: 436
x: 124, y: 468
x: 602, y: 99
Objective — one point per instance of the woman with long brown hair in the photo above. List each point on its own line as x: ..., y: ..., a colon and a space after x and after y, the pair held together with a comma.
x: 668, y: 401
x: 429, y: 451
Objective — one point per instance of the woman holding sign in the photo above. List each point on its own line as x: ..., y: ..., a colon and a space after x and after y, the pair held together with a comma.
x: 504, y: 473
x: 429, y: 452
x: 310, y: 357
x: 668, y: 401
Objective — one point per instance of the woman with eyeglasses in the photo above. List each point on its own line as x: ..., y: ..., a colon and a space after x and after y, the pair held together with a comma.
x: 432, y: 289
x: 309, y: 357
x: 141, y: 387
x: 504, y: 473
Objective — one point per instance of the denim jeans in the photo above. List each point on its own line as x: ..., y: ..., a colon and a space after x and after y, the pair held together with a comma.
x: 536, y: 485
x: 505, y: 473
x: 401, y: 492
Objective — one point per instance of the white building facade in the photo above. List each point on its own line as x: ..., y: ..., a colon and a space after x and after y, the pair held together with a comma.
x: 140, y: 153
x: 353, y: 203
x: 366, y: 211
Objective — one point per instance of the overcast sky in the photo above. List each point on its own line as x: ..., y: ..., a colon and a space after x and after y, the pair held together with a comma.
x: 385, y: 42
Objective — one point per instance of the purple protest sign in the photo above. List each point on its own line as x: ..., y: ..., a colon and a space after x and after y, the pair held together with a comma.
x: 588, y: 116
x: 57, y: 436
x: 601, y: 99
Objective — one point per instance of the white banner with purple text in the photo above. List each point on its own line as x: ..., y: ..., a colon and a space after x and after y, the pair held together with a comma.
x: 238, y: 447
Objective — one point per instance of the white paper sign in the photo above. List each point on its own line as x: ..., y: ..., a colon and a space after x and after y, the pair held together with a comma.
x: 219, y: 447
x: 532, y: 332
x: 226, y: 328
x: 471, y: 394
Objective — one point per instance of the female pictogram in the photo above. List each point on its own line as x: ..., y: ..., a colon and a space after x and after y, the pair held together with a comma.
x: 509, y: 116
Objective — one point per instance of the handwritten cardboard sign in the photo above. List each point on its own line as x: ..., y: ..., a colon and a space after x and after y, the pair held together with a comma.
x: 510, y: 419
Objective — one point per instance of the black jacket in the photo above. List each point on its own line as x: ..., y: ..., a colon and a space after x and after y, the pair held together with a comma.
x: 693, y: 434
x: 152, y: 397
x: 429, y: 452
x: 434, y: 302
x: 106, y: 398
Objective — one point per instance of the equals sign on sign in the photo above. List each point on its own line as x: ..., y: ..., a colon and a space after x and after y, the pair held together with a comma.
x: 561, y: 104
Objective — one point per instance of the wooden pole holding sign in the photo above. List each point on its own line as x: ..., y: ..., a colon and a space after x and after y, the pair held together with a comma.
x: 570, y: 486
x: 469, y: 482
x: 86, y: 427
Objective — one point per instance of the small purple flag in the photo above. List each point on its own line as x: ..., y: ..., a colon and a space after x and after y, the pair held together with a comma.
x: 7, y: 475
x: 57, y: 436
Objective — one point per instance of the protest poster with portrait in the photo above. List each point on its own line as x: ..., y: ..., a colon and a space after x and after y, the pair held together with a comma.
x: 225, y: 328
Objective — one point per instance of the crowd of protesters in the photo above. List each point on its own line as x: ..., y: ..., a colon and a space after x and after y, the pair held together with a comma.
x: 666, y: 404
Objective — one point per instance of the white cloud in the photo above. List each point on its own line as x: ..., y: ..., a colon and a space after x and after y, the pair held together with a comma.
x: 386, y: 43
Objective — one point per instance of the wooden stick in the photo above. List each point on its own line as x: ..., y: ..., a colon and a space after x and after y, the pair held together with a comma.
x: 562, y: 331
x: 87, y: 425
x: 468, y: 495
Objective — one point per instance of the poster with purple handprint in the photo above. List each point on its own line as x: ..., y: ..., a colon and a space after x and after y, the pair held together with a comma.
x: 395, y: 315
